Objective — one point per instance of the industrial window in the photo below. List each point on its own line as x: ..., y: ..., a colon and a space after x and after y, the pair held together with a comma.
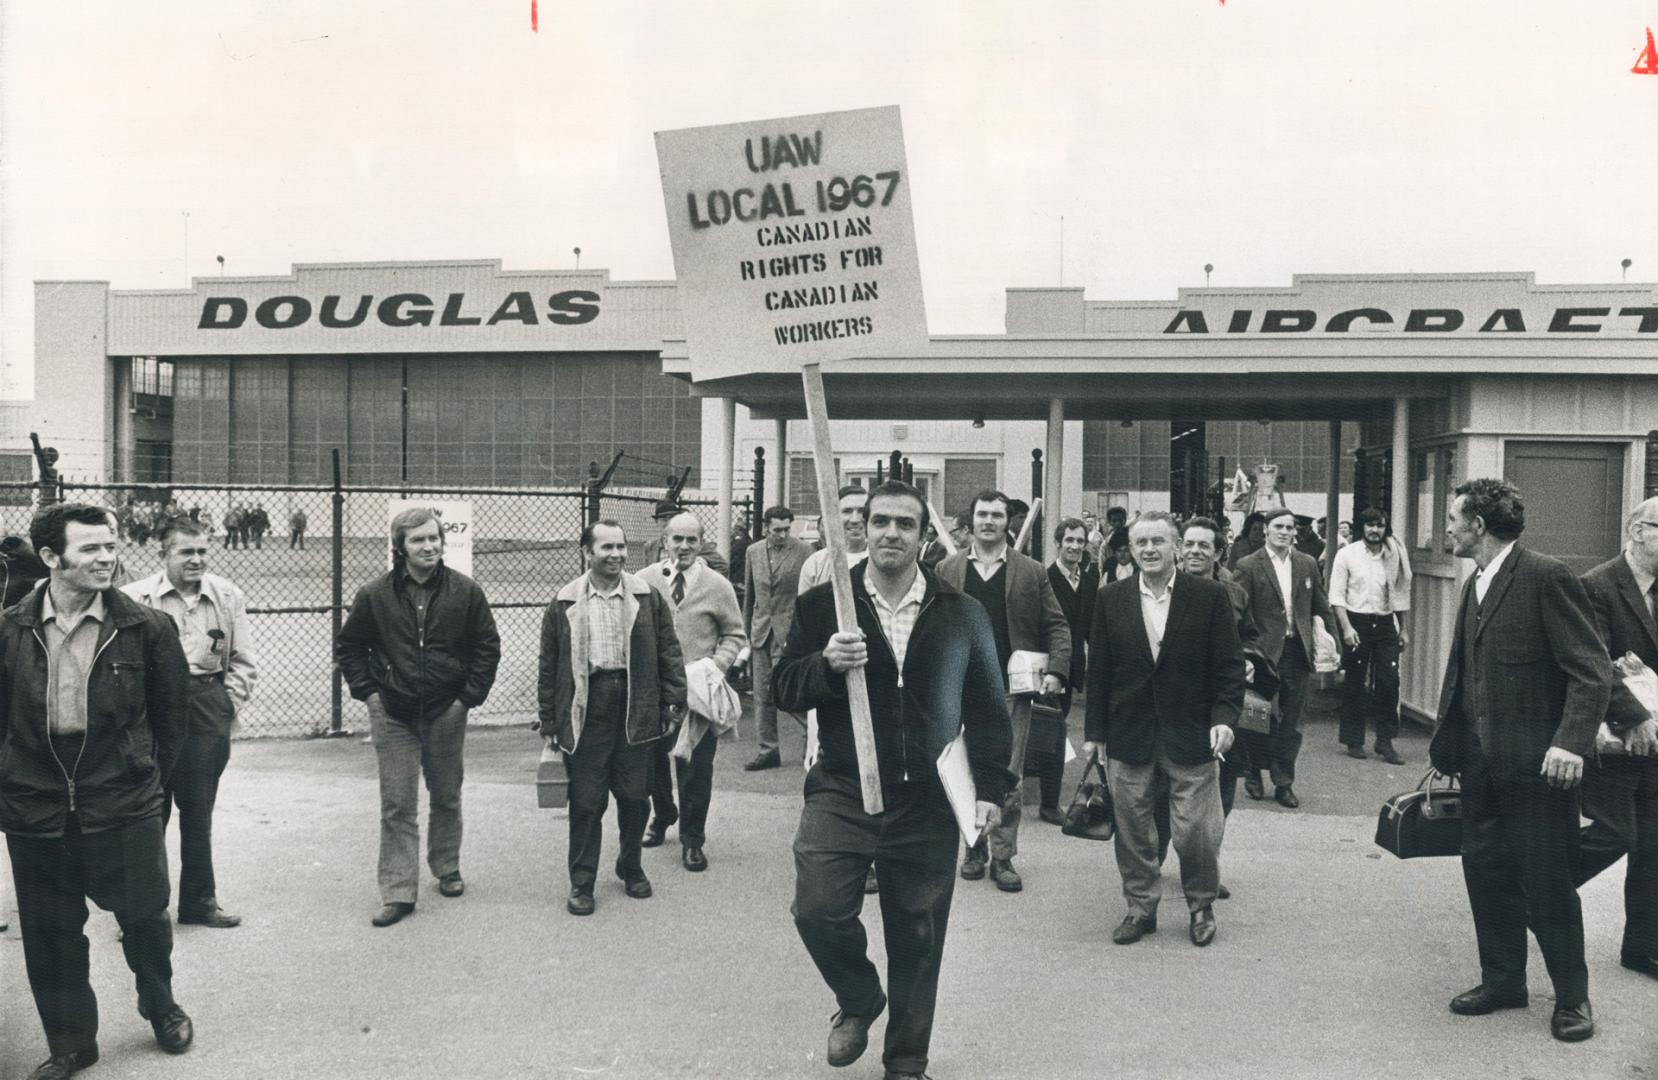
x: 152, y: 376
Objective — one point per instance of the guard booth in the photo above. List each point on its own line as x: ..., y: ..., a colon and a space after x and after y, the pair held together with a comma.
x: 1448, y: 377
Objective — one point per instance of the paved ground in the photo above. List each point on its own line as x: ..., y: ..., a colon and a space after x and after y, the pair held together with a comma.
x: 1333, y: 959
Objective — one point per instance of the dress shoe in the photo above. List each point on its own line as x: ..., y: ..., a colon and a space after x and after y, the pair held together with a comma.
x: 211, y: 915
x: 1357, y: 752
x: 1484, y: 999
x: 1646, y: 965
x: 1286, y: 797
x: 1387, y: 753
x: 972, y: 866
x: 765, y: 759
x: 658, y: 832
x: 580, y: 902
x: 173, y: 1030
x: 638, y: 886
x: 451, y: 885
x: 693, y: 859
x: 1203, y: 927
x: 849, y: 1034
x: 1572, y: 1023
x: 1253, y: 787
x: 1133, y: 928
x: 1051, y: 815
x: 392, y: 913
x: 1223, y: 893
x: 1005, y: 876
x: 60, y: 1066
x: 871, y: 886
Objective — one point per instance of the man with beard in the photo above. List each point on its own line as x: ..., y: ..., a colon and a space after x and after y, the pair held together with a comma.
x: 1370, y: 593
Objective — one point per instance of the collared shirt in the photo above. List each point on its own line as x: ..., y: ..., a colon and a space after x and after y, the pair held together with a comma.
x: 1073, y: 576
x: 1285, y: 569
x: 1483, y: 581
x: 1643, y: 582
x: 897, y: 622
x: 1154, y: 609
x: 1361, y: 583
x: 606, y: 626
x: 986, y: 565
x: 420, y: 594
x: 71, y: 649
x: 195, y: 618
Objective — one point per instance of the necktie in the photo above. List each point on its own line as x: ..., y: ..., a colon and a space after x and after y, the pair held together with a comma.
x: 679, y: 588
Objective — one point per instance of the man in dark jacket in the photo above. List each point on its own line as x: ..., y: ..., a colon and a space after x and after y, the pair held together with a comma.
x: 92, y: 715
x: 1074, y: 581
x: 1165, y: 686
x: 929, y: 659
x: 1526, y: 686
x: 611, y: 683
x: 419, y: 648
x: 1620, y: 789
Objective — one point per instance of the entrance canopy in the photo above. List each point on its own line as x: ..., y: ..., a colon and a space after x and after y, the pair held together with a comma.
x: 1328, y: 347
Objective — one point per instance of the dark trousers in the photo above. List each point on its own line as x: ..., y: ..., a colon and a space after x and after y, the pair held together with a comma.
x: 913, y: 848
x: 1284, y: 743
x: 194, y: 788
x: 604, y: 764
x: 1370, y: 681
x: 1519, y: 851
x: 1620, y: 795
x: 696, y: 788
x: 296, y: 539
x: 123, y: 870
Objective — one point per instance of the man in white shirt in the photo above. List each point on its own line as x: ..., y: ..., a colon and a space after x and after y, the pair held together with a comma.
x: 1369, y: 594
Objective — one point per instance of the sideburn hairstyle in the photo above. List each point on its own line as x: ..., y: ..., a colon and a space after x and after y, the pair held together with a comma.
x: 1497, y: 503
x: 1066, y: 525
x: 48, y: 527
x: 406, y: 522
x: 990, y: 495
x: 898, y: 488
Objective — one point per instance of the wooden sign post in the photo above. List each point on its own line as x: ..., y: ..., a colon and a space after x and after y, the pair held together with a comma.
x: 846, y: 615
x: 794, y: 246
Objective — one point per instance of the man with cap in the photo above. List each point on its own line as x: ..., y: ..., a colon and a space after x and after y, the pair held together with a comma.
x: 657, y: 550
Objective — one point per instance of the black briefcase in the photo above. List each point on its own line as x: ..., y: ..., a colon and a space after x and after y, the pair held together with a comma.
x: 1091, y: 815
x: 1423, y: 822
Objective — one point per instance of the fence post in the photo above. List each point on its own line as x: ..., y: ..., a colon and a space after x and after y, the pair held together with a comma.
x: 336, y: 719
x: 759, y: 489
x: 1036, y: 493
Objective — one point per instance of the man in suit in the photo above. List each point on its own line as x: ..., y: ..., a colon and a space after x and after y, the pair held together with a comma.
x: 1074, y: 581
x: 1620, y: 790
x: 1026, y: 616
x: 1165, y: 686
x: 771, y: 572
x: 709, y: 626
x: 1286, y: 592
x: 932, y: 550
x: 1526, y: 687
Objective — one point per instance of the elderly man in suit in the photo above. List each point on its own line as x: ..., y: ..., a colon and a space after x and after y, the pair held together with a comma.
x: 1026, y: 617
x: 1620, y: 789
x: 709, y: 626
x: 771, y: 572
x: 1286, y: 592
x: 1526, y: 686
x: 1165, y: 687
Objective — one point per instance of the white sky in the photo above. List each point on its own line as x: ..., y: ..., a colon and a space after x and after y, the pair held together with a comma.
x: 1268, y: 137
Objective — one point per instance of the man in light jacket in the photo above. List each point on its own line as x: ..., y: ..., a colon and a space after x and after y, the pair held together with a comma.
x: 709, y: 626
x: 211, y: 615
x: 611, y: 683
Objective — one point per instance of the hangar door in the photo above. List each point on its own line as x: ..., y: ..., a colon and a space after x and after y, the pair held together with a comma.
x: 1574, y: 498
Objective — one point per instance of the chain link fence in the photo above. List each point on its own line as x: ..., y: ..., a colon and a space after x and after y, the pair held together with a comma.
x: 300, y: 571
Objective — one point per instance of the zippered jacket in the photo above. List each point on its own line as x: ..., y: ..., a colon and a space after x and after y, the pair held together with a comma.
x: 951, y: 682
x: 420, y: 670
x: 136, y: 720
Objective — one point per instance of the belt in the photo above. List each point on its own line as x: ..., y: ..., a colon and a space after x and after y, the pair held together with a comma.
x: 608, y: 673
